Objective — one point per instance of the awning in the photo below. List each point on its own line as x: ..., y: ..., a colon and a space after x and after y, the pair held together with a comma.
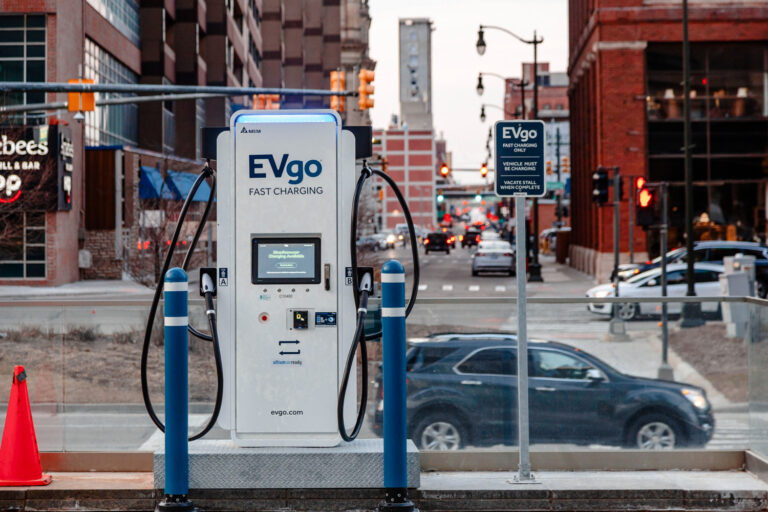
x: 180, y: 184
x: 151, y: 184
x: 177, y: 185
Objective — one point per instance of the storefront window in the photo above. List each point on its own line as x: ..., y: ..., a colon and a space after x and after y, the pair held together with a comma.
x: 115, y: 124
x: 22, y: 245
x: 22, y: 59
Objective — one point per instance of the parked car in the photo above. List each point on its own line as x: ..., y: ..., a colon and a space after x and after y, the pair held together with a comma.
x: 494, y: 256
x: 711, y: 251
x: 470, y: 238
x: 386, y: 240
x: 490, y: 234
x: 368, y: 243
x: 462, y: 389
x: 648, y: 284
x: 437, y: 241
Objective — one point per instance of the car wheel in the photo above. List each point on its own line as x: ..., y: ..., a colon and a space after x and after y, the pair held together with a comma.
x: 629, y: 311
x: 761, y: 288
x: 656, y: 432
x: 438, y: 431
x: 426, y: 251
x: 474, y: 272
x: 448, y: 250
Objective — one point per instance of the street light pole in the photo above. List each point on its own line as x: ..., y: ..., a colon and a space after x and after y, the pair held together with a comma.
x: 534, y: 275
x: 691, y: 310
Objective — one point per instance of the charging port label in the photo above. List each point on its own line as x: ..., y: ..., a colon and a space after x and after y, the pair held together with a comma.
x: 325, y: 319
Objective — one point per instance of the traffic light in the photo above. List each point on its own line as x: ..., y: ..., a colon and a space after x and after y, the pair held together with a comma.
x: 365, y: 89
x: 565, y: 166
x: 549, y: 167
x: 338, y: 83
x: 600, y: 184
x: 444, y: 170
x: 645, y: 204
x: 484, y: 170
x: 621, y: 188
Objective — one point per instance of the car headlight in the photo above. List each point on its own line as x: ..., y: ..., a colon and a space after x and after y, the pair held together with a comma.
x: 696, y: 397
x: 602, y: 293
x: 390, y: 238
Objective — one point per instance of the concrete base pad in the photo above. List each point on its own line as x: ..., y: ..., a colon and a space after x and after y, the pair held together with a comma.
x: 219, y: 464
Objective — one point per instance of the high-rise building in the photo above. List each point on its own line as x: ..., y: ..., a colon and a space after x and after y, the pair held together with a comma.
x: 416, y: 73
x: 626, y: 102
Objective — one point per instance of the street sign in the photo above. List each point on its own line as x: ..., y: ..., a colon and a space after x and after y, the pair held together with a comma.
x: 555, y: 185
x: 519, y: 158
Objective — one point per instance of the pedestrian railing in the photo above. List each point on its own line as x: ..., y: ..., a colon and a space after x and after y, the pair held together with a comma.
x: 82, y: 359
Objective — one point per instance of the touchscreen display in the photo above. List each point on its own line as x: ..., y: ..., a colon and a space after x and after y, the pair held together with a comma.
x: 283, y: 261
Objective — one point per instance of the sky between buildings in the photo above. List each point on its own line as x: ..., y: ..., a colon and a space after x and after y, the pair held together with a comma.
x: 455, y: 62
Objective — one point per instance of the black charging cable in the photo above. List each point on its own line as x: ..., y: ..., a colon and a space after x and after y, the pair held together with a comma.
x: 363, y: 289
x: 208, y: 288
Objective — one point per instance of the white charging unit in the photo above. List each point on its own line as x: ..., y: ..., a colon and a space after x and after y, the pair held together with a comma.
x: 285, y: 303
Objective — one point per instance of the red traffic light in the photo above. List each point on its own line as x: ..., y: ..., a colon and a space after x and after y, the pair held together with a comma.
x: 639, y: 182
x: 645, y: 198
x: 484, y: 170
x: 444, y: 170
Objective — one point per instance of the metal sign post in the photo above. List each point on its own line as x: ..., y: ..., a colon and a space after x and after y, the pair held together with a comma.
x: 520, y: 174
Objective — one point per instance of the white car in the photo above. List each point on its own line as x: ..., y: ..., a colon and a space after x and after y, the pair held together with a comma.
x: 494, y: 256
x: 648, y: 284
x: 385, y: 240
x: 489, y: 235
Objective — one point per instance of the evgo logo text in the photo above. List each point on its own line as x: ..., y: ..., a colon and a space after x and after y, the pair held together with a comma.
x: 295, y: 169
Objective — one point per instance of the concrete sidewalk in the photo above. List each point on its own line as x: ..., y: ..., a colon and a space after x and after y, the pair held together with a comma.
x: 459, y: 491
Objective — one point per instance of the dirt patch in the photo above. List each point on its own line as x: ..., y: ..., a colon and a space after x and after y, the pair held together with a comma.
x: 721, y: 360
x: 85, y: 367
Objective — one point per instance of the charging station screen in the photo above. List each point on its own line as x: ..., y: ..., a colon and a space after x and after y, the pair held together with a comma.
x: 286, y: 261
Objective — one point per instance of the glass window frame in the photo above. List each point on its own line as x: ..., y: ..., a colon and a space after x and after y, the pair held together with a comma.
x: 24, y: 261
x: 28, y: 118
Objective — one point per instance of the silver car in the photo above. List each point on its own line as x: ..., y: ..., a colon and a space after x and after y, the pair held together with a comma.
x: 494, y: 256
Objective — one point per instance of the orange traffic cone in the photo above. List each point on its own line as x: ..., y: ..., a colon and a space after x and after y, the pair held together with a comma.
x: 19, y: 458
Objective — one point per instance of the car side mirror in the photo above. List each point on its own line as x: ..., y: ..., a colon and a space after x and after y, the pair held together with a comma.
x: 595, y: 375
x: 652, y: 282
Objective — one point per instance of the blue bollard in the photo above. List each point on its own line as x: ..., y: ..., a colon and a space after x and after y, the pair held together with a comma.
x: 176, y: 392
x: 395, y: 413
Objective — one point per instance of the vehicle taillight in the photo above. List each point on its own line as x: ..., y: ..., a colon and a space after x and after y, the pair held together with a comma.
x: 426, y: 241
x: 477, y: 238
x: 461, y: 238
x: 508, y: 254
x: 480, y: 254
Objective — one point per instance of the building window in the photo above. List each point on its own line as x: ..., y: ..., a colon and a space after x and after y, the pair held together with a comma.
x: 22, y: 245
x: 22, y: 59
x: 115, y: 124
x: 122, y: 14
x: 255, y: 55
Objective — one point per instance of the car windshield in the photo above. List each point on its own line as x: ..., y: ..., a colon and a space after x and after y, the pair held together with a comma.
x: 643, y: 276
x: 671, y: 255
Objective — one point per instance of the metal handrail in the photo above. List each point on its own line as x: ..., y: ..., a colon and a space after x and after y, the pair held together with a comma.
x: 90, y: 302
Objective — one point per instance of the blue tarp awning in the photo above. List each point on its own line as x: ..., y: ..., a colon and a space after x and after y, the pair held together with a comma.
x: 180, y: 183
x: 176, y: 186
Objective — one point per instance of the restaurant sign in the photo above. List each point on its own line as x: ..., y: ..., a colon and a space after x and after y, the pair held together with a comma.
x: 36, y: 168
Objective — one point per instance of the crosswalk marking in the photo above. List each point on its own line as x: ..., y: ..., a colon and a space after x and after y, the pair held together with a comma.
x: 474, y: 288
x: 447, y: 287
x: 422, y: 287
x: 500, y: 288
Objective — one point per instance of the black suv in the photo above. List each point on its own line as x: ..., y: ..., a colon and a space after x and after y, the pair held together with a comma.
x: 471, y: 237
x: 711, y: 251
x: 462, y: 391
x: 437, y: 242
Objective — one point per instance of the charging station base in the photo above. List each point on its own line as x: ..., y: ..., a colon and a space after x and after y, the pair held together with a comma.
x: 220, y: 464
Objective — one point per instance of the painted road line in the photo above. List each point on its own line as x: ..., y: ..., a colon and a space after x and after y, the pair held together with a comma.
x: 447, y: 287
x: 422, y: 287
x: 500, y: 288
x: 474, y: 288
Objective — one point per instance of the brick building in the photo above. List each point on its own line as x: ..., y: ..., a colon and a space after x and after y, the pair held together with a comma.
x: 553, y: 93
x: 625, y: 73
x: 410, y: 156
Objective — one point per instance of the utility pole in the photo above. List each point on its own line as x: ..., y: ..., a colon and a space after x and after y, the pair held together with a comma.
x: 558, y: 194
x: 618, y: 328
x: 665, y: 370
x: 691, y: 310
x: 632, y: 191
